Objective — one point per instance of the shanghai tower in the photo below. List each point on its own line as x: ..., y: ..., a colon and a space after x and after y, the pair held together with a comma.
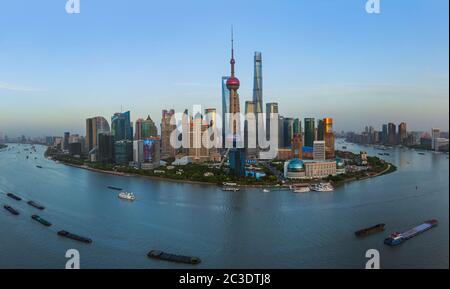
x: 257, y: 84
x: 257, y: 95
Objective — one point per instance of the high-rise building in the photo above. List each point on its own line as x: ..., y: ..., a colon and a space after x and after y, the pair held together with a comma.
x: 320, y: 130
x: 167, y: 150
x: 271, y: 108
x: 319, y: 150
x: 123, y: 152
x: 384, y: 134
x: 392, y: 135
x: 225, y: 107
x: 309, y: 132
x: 298, y: 127
x: 66, y: 141
x: 121, y: 127
x: 281, y: 137
x: 435, y: 134
x: 288, y: 131
x: 94, y: 127
x: 328, y: 137
x: 250, y: 130
x: 105, y: 150
x: 297, y: 147
x: 236, y: 155
x: 148, y: 129
x: 138, y: 129
x: 402, y: 133
x: 258, y: 83
x: 257, y: 94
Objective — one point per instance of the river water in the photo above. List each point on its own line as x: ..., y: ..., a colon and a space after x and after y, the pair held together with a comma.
x: 246, y: 229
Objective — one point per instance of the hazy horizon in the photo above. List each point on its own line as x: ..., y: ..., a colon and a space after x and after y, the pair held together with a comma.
x: 320, y: 59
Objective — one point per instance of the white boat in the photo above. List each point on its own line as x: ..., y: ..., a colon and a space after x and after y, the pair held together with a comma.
x: 301, y: 190
x: 266, y: 191
x: 322, y: 187
x: 127, y: 196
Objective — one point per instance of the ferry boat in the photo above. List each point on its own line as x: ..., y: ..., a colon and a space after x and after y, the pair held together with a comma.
x: 371, y: 230
x: 156, y: 254
x: 39, y: 167
x: 11, y: 210
x: 12, y: 196
x: 397, y: 238
x: 41, y: 220
x: 36, y: 205
x: 266, y: 190
x: 127, y: 196
x: 74, y: 237
x: 322, y: 187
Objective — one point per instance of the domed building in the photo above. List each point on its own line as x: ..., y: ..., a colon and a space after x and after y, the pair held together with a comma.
x: 310, y: 169
x: 294, y: 169
x: 340, y: 166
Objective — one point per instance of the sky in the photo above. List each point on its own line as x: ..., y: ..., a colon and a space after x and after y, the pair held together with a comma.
x: 321, y: 58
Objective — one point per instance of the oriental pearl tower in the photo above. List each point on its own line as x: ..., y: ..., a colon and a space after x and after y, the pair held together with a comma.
x: 236, y: 154
x: 233, y: 86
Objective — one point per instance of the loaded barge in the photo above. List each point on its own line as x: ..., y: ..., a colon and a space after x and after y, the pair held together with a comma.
x: 396, y: 238
x: 11, y: 210
x: 371, y: 230
x: 173, y: 258
x: 74, y: 237
x: 40, y: 220
x: 114, y: 188
x: 12, y: 196
x: 36, y: 205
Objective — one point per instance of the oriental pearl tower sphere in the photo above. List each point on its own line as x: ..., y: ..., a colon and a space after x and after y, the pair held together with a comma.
x: 233, y: 86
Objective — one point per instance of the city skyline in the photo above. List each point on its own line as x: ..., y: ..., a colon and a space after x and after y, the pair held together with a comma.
x: 304, y: 72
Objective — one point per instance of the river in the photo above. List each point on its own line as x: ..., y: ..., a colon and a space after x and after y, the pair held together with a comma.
x: 246, y: 229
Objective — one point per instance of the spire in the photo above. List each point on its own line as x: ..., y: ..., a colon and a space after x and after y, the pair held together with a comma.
x: 232, y: 61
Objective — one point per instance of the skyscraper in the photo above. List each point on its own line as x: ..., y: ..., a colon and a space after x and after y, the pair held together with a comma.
x: 258, y: 83
x: 309, y: 132
x: 236, y: 155
x: 298, y: 127
x: 320, y: 130
x: 271, y: 108
x: 435, y: 134
x: 225, y: 107
x: 328, y: 137
x: 392, y: 136
x: 257, y: 93
x: 148, y: 129
x: 402, y: 133
x: 249, y: 131
x: 94, y: 127
x: 384, y: 134
x: 66, y: 140
x: 288, y: 131
x: 167, y: 150
x: 121, y: 127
